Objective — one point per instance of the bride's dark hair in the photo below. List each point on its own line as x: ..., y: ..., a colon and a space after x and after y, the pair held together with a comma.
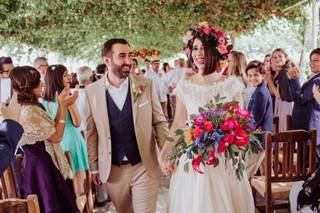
x: 211, y: 56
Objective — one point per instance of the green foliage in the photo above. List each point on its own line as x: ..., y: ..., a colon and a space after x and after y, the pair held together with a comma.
x: 78, y: 28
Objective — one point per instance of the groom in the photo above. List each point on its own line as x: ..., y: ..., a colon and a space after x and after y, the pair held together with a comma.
x: 123, y: 113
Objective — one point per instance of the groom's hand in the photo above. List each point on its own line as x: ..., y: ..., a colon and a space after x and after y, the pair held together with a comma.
x: 96, y: 179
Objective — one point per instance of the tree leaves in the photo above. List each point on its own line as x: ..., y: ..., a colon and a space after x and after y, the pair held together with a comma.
x: 79, y: 28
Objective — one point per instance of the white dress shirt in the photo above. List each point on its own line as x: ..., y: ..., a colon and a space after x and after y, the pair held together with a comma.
x: 158, y: 81
x: 172, y: 78
x: 118, y: 95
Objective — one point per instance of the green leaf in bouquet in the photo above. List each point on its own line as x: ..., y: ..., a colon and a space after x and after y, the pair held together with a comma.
x: 194, y: 150
x: 192, y: 116
x: 170, y: 139
x: 179, y: 131
x: 189, y: 154
x: 216, y: 163
x: 186, y: 167
x: 233, y: 148
x: 217, y: 98
x: 201, y: 109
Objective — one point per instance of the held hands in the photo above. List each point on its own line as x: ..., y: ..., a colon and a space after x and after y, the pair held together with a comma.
x: 316, y: 93
x: 166, y: 167
x: 65, y: 99
x: 12, y: 111
x: 96, y: 179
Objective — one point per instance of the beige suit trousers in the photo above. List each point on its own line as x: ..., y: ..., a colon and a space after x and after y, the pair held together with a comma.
x: 131, y: 189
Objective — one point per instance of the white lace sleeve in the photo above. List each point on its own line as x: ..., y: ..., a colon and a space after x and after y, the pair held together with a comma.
x: 232, y: 86
x: 37, y: 125
x: 179, y: 90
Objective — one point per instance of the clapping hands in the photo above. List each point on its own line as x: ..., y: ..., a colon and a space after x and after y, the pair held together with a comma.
x: 12, y: 111
x: 65, y: 99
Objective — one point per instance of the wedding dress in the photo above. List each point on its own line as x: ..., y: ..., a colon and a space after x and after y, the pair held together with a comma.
x: 217, y: 190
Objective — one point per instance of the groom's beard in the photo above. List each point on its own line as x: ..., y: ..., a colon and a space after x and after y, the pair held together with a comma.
x: 122, y: 71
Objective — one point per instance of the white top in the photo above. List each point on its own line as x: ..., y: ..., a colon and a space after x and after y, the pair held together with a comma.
x: 118, y: 95
x: 173, y: 76
x: 158, y: 81
x: 80, y: 102
x: 194, y: 95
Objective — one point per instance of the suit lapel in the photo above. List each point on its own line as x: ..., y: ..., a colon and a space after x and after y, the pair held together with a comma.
x: 133, y: 102
x: 102, y: 102
x: 310, y: 81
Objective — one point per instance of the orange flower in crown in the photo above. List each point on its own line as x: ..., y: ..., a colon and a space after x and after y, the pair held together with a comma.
x: 208, y: 33
x: 155, y: 52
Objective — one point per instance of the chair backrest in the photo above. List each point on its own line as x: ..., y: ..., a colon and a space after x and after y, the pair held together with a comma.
x: 16, y: 205
x: 297, y: 149
x: 276, y: 124
x: 289, y: 122
x: 8, y: 184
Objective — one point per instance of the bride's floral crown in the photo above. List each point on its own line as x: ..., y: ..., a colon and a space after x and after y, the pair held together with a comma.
x: 208, y: 33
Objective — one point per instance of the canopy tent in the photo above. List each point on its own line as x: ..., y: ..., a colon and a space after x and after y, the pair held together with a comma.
x: 78, y: 27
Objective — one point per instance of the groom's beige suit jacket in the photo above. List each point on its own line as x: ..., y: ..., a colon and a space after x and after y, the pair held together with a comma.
x: 148, y: 119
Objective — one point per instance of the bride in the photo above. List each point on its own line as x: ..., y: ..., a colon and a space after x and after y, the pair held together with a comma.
x: 218, y: 189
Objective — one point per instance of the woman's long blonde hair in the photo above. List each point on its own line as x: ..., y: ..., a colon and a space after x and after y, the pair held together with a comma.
x: 237, y: 64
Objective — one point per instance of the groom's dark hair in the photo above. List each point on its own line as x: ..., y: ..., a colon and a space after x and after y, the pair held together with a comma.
x: 107, y: 46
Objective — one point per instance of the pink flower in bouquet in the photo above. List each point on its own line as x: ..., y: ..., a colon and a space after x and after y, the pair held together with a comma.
x: 209, y: 126
x: 196, y: 164
x: 243, y: 113
x: 198, y: 132
x: 212, y: 158
x: 140, y: 89
x: 229, y: 124
x: 242, y: 137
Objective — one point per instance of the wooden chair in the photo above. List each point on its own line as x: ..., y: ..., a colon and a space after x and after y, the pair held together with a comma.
x: 16, y: 205
x: 276, y: 184
x: 276, y: 124
x: 8, y: 184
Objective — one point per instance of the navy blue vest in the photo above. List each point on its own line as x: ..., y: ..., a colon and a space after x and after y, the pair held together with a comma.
x: 123, y: 137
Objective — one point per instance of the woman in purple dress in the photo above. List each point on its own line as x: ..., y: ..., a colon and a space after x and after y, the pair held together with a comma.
x: 46, y: 173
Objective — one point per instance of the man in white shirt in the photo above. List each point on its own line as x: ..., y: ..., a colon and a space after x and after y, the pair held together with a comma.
x: 41, y: 64
x: 172, y: 79
x: 123, y: 114
x: 158, y: 78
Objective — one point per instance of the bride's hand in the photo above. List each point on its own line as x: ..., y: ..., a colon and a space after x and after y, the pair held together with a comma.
x: 165, y: 165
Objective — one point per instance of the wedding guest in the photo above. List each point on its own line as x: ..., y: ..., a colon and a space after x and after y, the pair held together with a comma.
x: 46, y: 172
x: 305, y: 195
x: 306, y: 110
x: 83, y: 77
x: 147, y: 64
x: 7, y: 65
x: 260, y: 106
x: 10, y: 132
x: 158, y: 78
x: 134, y: 68
x: 56, y: 79
x: 237, y: 67
x: 281, y: 87
x: 41, y: 64
x: 101, y: 69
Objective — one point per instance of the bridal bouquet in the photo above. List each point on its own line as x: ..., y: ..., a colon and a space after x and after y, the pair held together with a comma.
x: 221, y: 128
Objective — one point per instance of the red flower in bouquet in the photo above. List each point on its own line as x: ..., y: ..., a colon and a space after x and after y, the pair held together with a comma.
x: 209, y: 126
x: 242, y: 137
x: 212, y: 158
x: 196, y: 164
x: 229, y: 124
x: 223, y: 146
x: 198, y: 132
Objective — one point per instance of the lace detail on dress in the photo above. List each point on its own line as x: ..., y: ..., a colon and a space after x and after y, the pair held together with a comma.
x: 38, y: 126
x: 195, y: 95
